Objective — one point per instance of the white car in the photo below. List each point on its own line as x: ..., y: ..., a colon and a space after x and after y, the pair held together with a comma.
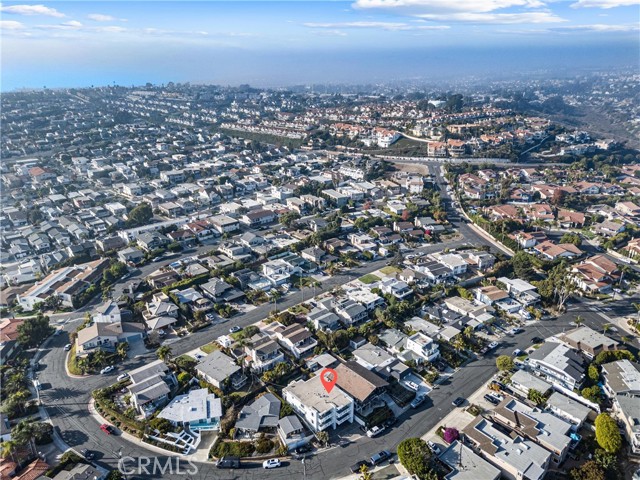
x: 413, y: 386
x: 434, y: 448
x: 108, y: 369
x: 271, y: 463
x: 235, y: 329
x: 122, y: 376
x: 67, y: 347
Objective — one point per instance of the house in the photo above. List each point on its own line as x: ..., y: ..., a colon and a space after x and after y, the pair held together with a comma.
x: 423, y: 346
x: 482, y: 260
x: 559, y: 364
x: 551, y: 251
x: 262, y: 414
x: 131, y: 256
x: 151, y: 386
x: 150, y: 241
x: 622, y: 385
x: 632, y: 249
x: 107, y: 312
x: 8, y: 338
x: 224, y: 224
x: 324, y: 319
x: 81, y: 471
x: 297, y: 339
x: 568, y: 409
x: 466, y: 465
x: 362, y: 385
x: 263, y: 353
x: 68, y: 283
x: 452, y: 260
x: 319, y: 409
x: 608, y: 228
x: 350, y: 311
x: 588, y: 341
x: 292, y: 433
x: 490, y: 294
x: 278, y: 271
x: 523, y: 382
x: 570, y: 219
x: 198, y: 410
x: 106, y: 336
x: 434, y: 271
x: 257, y: 218
x: 517, y: 457
x: 372, y: 357
x: 397, y: 288
x: 35, y: 470
x: 543, y: 428
x: 221, y: 371
x: 520, y: 290
x: 220, y: 291
x: 595, y: 274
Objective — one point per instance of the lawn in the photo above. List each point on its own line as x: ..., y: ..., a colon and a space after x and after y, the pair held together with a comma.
x: 72, y: 363
x: 369, y: 278
x: 210, y: 347
x: 390, y: 270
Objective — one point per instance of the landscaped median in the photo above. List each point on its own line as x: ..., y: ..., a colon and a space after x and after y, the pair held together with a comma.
x: 72, y: 362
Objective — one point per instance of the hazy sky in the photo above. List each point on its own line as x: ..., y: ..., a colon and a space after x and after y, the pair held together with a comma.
x: 79, y: 43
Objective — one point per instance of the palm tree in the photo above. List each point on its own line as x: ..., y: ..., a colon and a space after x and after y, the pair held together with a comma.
x: 164, y: 353
x: 121, y: 349
x: 8, y: 448
x: 23, y: 434
x: 626, y: 339
x: 578, y: 320
x: 606, y: 327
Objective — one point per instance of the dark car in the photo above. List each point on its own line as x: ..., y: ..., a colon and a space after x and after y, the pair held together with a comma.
x: 306, y: 448
x: 457, y: 401
x: 355, y: 468
x: 228, y: 462
x: 88, y: 454
x: 491, y: 399
x: 537, y: 340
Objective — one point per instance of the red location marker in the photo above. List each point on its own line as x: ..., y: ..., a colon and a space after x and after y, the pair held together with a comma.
x: 328, y: 377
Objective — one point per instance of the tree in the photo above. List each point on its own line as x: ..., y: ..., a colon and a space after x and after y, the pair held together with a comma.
x: 588, y: 471
x: 522, y: 265
x: 593, y: 373
x: 572, y: 238
x: 323, y: 437
x: 34, y: 330
x: 53, y: 302
x: 414, y: 454
x: 592, y: 394
x: 606, y: 327
x: 164, y: 353
x: 365, y: 474
x: 579, y: 320
x: 140, y: 215
x: 607, y: 433
x: 505, y: 363
x: 8, y: 449
x: 536, y: 397
x: 609, y: 356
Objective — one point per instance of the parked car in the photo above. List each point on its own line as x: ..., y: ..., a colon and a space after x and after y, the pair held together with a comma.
x: 161, y: 333
x: 537, y: 340
x: 67, y: 347
x: 88, y: 454
x: 108, y: 369
x: 515, y: 331
x: 122, y: 376
x: 306, y: 448
x: 235, y: 329
x: 434, y: 448
x: 457, y: 401
x: 380, y: 457
x: 419, y: 400
x: 228, y: 462
x: 108, y: 429
x: 491, y: 399
x: 375, y: 431
x: 413, y: 386
x: 271, y: 463
x: 493, y: 345
x: 355, y: 468
x: 517, y: 352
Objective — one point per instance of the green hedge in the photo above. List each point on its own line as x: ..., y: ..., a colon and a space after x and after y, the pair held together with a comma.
x: 233, y: 449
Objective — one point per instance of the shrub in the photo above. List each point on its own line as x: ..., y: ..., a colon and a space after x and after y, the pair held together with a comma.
x: 450, y: 435
x: 414, y: 454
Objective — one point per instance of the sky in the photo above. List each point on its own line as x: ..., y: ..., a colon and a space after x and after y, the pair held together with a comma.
x: 268, y: 43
